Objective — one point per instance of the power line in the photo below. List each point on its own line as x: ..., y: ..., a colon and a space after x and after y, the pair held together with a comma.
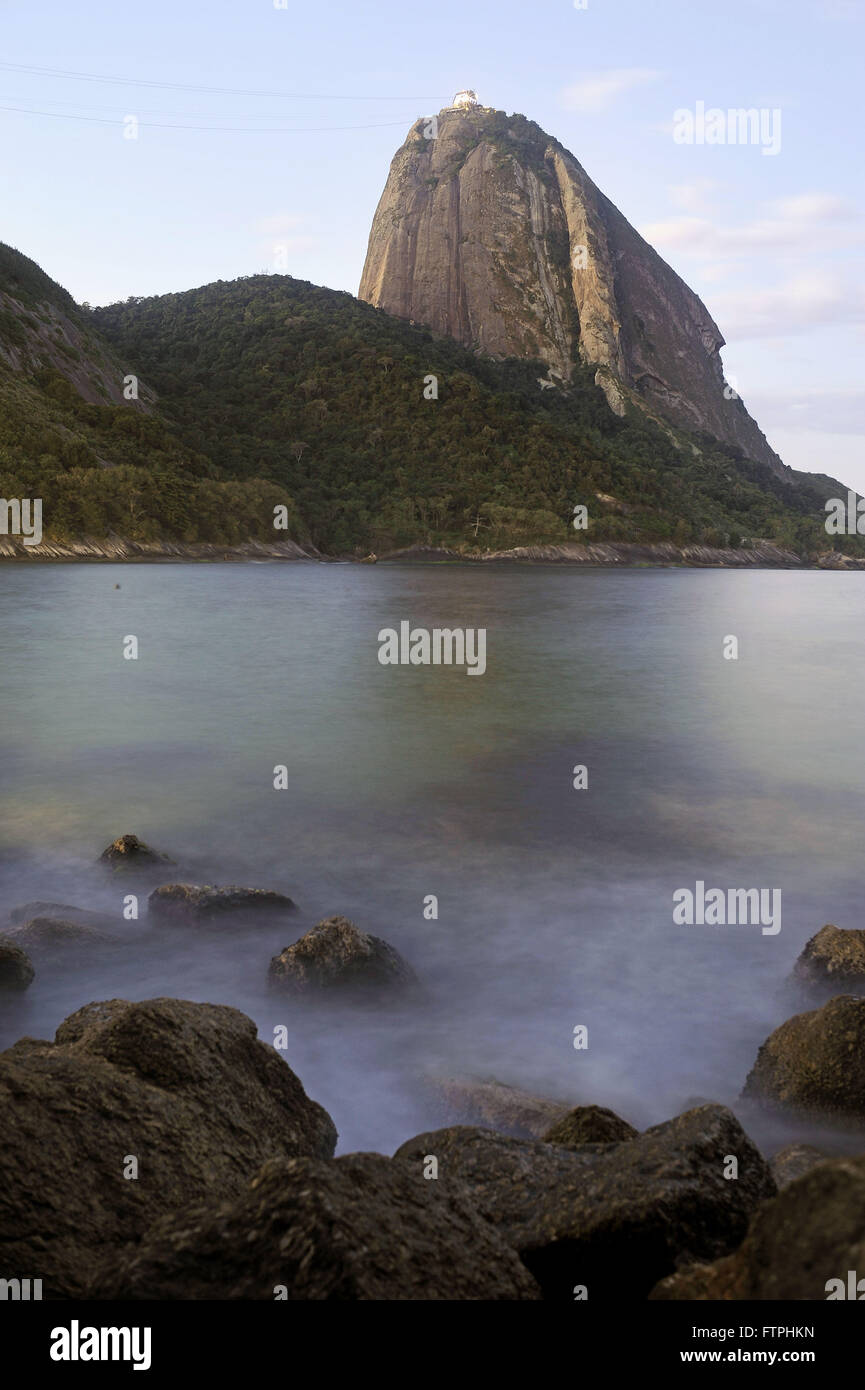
x: 188, y: 87
x: 215, y: 129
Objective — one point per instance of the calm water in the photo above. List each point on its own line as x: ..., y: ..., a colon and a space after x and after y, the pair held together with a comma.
x: 555, y: 905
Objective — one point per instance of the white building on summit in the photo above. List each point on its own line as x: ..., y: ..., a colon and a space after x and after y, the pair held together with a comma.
x: 466, y: 98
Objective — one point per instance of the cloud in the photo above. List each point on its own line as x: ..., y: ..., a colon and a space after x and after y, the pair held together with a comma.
x: 805, y: 302
x: 693, y: 197
x: 832, y: 410
x: 596, y: 91
x: 806, y: 222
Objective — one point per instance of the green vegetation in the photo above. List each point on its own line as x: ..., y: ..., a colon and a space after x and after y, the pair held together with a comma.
x: 273, y: 391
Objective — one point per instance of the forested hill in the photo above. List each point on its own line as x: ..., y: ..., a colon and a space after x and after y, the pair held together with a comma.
x: 276, y: 378
x: 373, y: 434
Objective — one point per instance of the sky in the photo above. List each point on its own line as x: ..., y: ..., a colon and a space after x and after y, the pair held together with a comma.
x: 265, y: 129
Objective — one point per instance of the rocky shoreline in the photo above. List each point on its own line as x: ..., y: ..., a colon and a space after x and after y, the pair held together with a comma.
x: 761, y: 554
x: 160, y: 1150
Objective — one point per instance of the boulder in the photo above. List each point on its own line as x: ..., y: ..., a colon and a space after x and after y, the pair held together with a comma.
x: 16, y: 969
x: 51, y: 938
x: 812, y: 1065
x: 185, y: 1090
x: 358, y: 1227
x: 336, y: 955
x: 793, y: 1161
x: 128, y: 852
x: 811, y: 1233
x: 589, y: 1124
x: 193, y: 905
x: 615, y: 1218
x: 833, y: 960
x: 491, y: 1104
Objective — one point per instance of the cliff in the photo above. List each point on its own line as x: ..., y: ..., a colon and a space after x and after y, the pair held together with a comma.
x: 492, y: 233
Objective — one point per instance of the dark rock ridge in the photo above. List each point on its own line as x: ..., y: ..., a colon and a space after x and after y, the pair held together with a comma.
x: 187, y: 1089
x: 336, y: 955
x: 194, y: 904
x: 16, y: 968
x: 833, y: 959
x: 809, y: 1234
x: 493, y: 234
x: 615, y: 1219
x: 357, y: 1227
x: 812, y: 1064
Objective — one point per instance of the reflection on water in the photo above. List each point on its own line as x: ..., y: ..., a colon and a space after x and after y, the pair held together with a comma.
x: 555, y: 905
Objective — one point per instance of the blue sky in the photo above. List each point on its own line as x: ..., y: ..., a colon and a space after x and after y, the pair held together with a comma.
x: 309, y: 103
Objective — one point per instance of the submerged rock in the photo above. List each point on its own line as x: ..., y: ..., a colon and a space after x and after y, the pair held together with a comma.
x: 812, y: 1065
x: 794, y: 1161
x: 101, y: 921
x: 129, y: 852
x: 336, y: 955
x: 491, y: 1104
x: 183, y: 1094
x: 613, y: 1218
x: 589, y: 1124
x: 833, y: 959
x: 194, y: 904
x: 357, y: 1227
x: 810, y: 1234
x: 51, y: 938
x: 16, y: 968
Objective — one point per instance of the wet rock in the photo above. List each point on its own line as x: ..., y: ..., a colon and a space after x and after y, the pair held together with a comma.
x: 490, y: 1104
x: 196, y: 905
x: 812, y: 1065
x: 589, y: 1124
x: 613, y: 1218
x: 16, y: 969
x: 811, y: 1233
x: 52, y: 939
x: 358, y: 1227
x: 795, y: 1160
x: 336, y: 955
x: 128, y: 852
x: 833, y: 960
x: 186, y: 1090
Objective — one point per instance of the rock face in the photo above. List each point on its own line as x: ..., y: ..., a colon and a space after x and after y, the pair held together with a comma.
x: 589, y: 1124
x: 16, y: 969
x: 195, y: 905
x: 335, y: 955
x: 834, y: 959
x: 493, y: 234
x: 185, y: 1089
x: 812, y: 1064
x: 614, y: 1218
x: 809, y: 1234
x: 493, y: 1105
x: 359, y: 1227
